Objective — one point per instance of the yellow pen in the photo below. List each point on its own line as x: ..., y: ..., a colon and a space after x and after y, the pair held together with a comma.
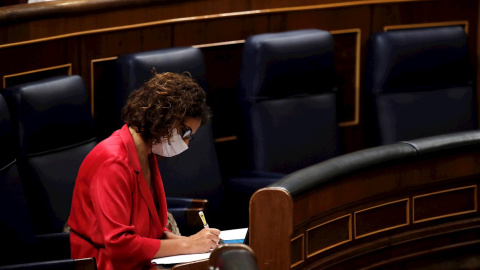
x: 205, y: 224
x: 204, y: 221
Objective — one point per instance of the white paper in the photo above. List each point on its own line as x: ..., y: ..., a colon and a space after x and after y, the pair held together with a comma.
x: 225, y: 235
x: 233, y: 234
x: 181, y: 258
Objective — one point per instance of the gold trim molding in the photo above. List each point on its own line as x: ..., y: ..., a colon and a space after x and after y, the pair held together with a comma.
x: 226, y: 43
x: 422, y: 25
x: 69, y: 66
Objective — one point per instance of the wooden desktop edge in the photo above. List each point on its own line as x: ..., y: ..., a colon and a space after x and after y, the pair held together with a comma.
x: 195, y: 265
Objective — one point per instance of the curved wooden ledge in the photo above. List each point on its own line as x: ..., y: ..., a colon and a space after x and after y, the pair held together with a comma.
x: 64, y: 7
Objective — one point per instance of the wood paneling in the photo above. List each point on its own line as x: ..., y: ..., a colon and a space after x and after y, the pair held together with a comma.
x: 328, y: 235
x: 445, y: 203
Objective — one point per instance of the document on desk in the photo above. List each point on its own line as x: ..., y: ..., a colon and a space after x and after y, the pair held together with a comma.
x: 229, y: 236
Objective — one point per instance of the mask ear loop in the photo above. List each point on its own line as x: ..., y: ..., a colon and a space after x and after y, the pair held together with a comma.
x: 188, y: 134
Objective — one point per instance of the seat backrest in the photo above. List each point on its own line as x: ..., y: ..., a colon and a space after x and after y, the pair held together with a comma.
x: 420, y: 83
x: 15, y: 222
x: 233, y: 256
x: 53, y: 122
x: 195, y: 173
x: 287, y: 93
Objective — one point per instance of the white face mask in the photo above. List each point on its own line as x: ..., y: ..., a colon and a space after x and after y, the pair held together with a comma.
x: 169, y: 148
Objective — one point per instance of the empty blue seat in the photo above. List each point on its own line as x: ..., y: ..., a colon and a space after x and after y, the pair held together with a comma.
x: 287, y: 94
x: 55, y: 130
x: 419, y: 83
x: 287, y: 91
x: 15, y: 223
x: 23, y: 248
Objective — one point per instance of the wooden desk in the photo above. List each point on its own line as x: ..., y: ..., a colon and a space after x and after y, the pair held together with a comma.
x: 401, y: 206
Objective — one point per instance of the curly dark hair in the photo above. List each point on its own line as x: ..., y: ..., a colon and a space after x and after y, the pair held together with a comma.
x: 164, y: 102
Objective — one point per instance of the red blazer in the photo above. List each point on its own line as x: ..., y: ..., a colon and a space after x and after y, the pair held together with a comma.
x: 113, y: 216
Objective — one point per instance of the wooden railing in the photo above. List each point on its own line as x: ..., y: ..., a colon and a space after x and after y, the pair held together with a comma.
x: 85, y: 37
x: 402, y: 206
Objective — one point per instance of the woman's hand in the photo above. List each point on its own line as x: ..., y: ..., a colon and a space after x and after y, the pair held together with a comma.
x: 203, y: 241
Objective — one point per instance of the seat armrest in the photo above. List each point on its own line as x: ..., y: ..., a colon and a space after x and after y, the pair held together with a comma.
x: 185, y: 212
x: 52, y: 246
x: 177, y: 202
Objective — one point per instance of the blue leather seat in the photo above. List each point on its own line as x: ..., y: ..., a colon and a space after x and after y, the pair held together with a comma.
x: 15, y: 223
x: 287, y: 91
x: 419, y: 83
x: 55, y: 129
x: 194, y: 174
x: 23, y: 249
